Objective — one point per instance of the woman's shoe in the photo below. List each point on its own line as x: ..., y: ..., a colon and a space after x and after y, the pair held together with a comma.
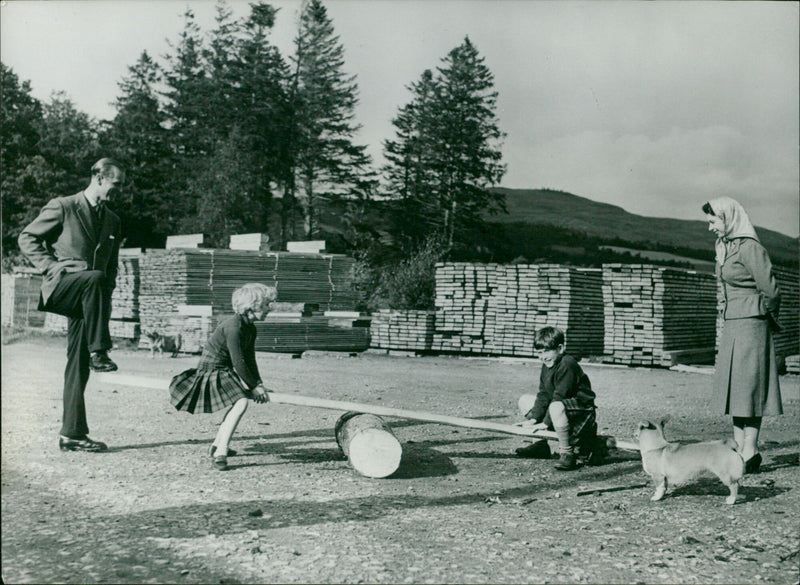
x: 753, y: 464
x: 213, y: 449
x: 220, y: 463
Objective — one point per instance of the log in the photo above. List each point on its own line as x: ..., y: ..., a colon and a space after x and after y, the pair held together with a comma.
x: 368, y: 443
x: 297, y: 400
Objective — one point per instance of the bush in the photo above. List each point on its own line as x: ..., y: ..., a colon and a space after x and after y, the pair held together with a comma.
x: 408, y: 282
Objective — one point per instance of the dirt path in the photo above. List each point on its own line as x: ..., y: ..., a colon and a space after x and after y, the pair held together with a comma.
x: 462, y: 508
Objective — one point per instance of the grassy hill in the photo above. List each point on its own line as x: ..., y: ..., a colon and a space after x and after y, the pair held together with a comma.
x: 608, y: 223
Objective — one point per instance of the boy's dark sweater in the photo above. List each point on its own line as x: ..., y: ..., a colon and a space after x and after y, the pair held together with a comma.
x: 564, y: 380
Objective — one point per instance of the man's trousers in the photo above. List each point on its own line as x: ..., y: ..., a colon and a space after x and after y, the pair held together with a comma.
x: 81, y: 297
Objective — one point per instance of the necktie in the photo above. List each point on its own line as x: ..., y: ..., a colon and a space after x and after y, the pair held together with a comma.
x: 97, y: 218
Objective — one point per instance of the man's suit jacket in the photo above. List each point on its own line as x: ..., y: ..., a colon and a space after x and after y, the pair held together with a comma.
x: 62, y: 239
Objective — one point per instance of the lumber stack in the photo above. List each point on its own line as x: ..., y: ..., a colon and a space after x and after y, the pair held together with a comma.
x: 125, y: 298
x: 495, y: 309
x: 124, y: 322
x: 402, y: 330
x: 249, y: 242
x: 20, y: 300
x: 793, y: 364
x: 168, y: 278
x: 787, y: 342
x: 55, y: 323
x: 123, y: 329
x: 657, y: 316
x: 322, y: 331
x: 207, y: 278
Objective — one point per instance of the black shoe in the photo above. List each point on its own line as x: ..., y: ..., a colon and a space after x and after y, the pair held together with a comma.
x: 220, y: 463
x: 536, y: 450
x: 213, y: 449
x: 100, y: 362
x: 567, y: 462
x: 753, y: 464
x: 84, y: 444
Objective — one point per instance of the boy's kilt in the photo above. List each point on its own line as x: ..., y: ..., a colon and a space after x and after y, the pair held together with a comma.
x: 583, y: 430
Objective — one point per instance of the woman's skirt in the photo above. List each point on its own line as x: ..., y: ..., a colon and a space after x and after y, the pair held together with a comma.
x: 205, y: 390
x: 746, y: 377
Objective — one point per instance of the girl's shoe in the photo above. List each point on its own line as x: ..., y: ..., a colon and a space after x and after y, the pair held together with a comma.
x: 220, y: 463
x: 213, y: 449
x: 753, y: 464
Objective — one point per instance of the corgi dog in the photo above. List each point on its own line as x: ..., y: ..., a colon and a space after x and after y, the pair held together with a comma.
x: 163, y: 343
x: 670, y: 463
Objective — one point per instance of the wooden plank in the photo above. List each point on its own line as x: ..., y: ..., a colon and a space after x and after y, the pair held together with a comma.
x: 297, y: 400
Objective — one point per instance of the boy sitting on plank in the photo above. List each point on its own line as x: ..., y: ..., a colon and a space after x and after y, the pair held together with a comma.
x: 564, y: 403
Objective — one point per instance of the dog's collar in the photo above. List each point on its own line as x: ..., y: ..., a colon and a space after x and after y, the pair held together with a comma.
x: 653, y: 449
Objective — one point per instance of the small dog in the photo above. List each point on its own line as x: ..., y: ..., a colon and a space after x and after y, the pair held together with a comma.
x: 675, y: 463
x: 163, y: 343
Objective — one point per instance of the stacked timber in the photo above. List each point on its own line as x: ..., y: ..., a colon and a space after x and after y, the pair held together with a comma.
x: 657, y: 316
x: 123, y: 329
x: 793, y: 364
x: 185, y: 241
x: 787, y: 341
x: 7, y: 299
x: 402, y: 330
x: 167, y: 279
x: 124, y: 322
x: 55, y: 323
x: 204, y: 277
x: 195, y: 323
x: 495, y: 309
x: 315, y: 332
x: 258, y: 242
x: 20, y: 300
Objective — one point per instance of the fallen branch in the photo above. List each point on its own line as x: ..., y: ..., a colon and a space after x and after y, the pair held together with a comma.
x: 616, y: 488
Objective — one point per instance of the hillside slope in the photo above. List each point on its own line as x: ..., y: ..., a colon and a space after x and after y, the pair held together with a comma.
x: 605, y: 221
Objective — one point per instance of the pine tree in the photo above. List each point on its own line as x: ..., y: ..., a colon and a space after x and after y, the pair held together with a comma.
x: 408, y: 173
x: 261, y: 72
x: 225, y: 188
x: 446, y: 155
x: 187, y: 95
x: 69, y: 142
x: 138, y: 137
x: 322, y: 157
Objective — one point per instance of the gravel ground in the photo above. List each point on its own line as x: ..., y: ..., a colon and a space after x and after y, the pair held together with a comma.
x: 461, y: 508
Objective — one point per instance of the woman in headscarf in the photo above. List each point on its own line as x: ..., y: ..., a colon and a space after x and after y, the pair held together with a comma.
x: 746, y: 378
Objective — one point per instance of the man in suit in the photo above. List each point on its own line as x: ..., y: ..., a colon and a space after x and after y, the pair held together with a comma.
x: 74, y: 242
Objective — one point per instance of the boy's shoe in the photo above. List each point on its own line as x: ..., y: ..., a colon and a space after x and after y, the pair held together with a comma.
x: 567, y: 462
x: 594, y: 458
x: 536, y: 450
x: 220, y: 463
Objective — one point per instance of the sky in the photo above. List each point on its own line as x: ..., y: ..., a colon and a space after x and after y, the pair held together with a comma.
x: 655, y: 107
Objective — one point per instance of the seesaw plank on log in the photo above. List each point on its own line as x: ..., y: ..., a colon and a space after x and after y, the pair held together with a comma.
x: 297, y: 400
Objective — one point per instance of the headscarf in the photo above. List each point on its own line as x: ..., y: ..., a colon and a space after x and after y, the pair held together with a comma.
x: 735, y: 221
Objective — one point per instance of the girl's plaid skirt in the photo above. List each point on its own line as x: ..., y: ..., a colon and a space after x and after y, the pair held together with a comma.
x: 205, y: 390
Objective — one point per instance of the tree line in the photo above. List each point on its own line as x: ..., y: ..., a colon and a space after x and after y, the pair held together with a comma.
x: 227, y: 135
